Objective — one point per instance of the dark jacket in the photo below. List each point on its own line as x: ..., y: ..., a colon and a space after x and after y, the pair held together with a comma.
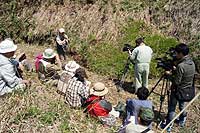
x: 184, y: 73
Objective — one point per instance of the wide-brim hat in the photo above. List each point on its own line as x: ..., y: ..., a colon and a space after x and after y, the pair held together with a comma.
x: 99, y: 89
x: 71, y: 66
x: 7, y: 46
x: 49, y: 54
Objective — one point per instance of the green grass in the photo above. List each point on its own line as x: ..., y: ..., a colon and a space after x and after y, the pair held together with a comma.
x: 108, y: 58
x: 48, y: 117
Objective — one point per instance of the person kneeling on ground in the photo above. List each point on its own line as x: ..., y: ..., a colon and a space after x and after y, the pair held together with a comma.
x: 146, y: 116
x: 77, y: 91
x: 133, y: 105
x: 8, y: 78
x: 97, y: 106
x: 49, y: 66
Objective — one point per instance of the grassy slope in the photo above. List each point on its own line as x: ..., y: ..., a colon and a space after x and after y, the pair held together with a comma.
x: 39, y: 109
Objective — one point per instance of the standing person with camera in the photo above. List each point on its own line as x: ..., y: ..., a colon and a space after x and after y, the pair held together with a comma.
x: 141, y: 56
x: 182, y: 88
x: 62, y: 42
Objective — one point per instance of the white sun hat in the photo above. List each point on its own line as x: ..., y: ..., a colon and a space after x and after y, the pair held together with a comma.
x: 71, y: 67
x: 61, y: 30
x: 99, y: 89
x: 7, y: 46
x: 49, y: 53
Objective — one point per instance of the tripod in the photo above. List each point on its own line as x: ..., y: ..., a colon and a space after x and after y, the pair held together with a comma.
x: 124, y: 75
x: 164, y: 91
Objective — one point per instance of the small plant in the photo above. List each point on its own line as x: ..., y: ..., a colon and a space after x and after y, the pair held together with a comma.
x: 32, y: 111
x: 48, y: 117
x: 64, y: 127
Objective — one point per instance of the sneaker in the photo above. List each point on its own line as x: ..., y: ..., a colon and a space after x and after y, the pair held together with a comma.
x: 164, y: 124
x: 182, y: 123
x: 177, y: 121
x: 169, y: 128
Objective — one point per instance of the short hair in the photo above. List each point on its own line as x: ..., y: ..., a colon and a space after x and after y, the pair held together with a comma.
x: 182, y: 48
x: 139, y: 40
x: 142, y: 93
x: 80, y: 74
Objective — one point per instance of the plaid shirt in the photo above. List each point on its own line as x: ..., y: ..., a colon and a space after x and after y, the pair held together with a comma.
x: 76, y: 90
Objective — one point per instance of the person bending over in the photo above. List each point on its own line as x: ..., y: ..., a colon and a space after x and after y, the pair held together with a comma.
x: 133, y: 105
x: 145, y: 118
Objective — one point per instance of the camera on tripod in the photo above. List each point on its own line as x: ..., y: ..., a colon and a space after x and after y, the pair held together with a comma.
x: 127, y: 47
x: 167, y: 62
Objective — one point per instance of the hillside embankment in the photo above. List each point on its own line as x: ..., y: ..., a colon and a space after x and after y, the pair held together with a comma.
x: 97, y: 30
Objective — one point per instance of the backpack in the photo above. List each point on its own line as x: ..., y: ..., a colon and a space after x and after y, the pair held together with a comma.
x: 37, y: 61
x: 99, y: 108
x: 63, y: 82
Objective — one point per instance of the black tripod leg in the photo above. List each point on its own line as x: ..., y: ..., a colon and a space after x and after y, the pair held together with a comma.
x: 121, y: 82
x: 125, y: 72
x: 161, y: 78
x: 162, y: 97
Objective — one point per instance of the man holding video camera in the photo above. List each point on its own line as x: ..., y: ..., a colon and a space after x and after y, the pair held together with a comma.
x: 141, y: 56
x: 182, y: 88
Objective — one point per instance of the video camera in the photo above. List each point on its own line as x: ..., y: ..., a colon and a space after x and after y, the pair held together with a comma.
x: 167, y: 62
x: 127, y: 47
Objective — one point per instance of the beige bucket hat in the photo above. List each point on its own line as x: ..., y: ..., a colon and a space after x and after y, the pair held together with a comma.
x: 99, y: 89
x: 71, y: 67
x: 7, y: 46
x: 49, y: 53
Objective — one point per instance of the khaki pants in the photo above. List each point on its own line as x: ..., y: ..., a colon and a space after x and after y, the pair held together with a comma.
x: 141, y: 75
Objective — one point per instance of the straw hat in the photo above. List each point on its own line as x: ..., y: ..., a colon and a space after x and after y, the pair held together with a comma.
x: 71, y: 66
x: 49, y: 53
x: 7, y: 46
x: 99, y: 89
x: 61, y: 30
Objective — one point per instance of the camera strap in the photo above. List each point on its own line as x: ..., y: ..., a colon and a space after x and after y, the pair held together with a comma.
x: 146, y: 130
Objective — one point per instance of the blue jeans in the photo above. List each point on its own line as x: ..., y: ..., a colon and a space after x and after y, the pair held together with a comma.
x: 172, y: 107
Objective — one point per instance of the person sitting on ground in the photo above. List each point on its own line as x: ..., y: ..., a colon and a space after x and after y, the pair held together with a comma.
x: 146, y: 116
x: 133, y: 105
x: 49, y: 66
x: 62, y: 42
x: 8, y: 78
x: 69, y: 71
x: 22, y: 63
x: 97, y: 106
x: 76, y: 91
